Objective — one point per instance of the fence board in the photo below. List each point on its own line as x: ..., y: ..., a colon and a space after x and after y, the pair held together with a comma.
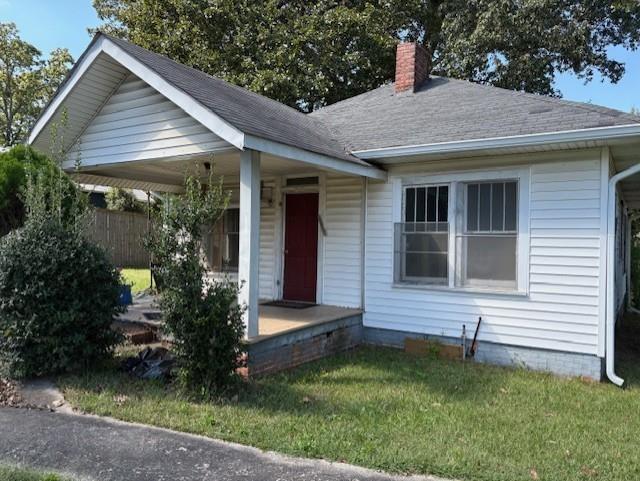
x: 121, y: 234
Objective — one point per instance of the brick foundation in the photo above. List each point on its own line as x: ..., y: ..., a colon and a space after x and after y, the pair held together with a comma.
x: 277, y: 353
x: 556, y: 362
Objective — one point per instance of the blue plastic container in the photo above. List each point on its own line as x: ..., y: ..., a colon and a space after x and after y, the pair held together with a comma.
x: 125, y: 298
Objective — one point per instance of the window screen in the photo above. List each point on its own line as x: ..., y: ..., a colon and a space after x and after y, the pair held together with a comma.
x: 422, y: 241
x: 489, y: 239
x: 225, y: 242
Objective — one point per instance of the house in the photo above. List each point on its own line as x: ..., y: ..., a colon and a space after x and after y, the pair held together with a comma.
x: 97, y: 195
x: 406, y: 212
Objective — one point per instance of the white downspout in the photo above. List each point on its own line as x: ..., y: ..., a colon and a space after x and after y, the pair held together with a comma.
x: 610, y: 279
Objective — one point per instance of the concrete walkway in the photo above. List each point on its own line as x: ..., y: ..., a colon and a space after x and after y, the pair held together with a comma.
x: 92, y: 448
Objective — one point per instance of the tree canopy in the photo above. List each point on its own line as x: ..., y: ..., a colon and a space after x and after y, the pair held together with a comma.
x: 308, y: 54
x: 27, y: 81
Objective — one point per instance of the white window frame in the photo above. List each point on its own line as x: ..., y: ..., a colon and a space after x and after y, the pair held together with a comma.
x: 462, y: 232
x: 224, y: 272
x: 457, y: 208
x: 429, y: 281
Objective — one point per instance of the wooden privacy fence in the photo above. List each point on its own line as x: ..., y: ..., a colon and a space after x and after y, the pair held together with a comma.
x: 121, y: 234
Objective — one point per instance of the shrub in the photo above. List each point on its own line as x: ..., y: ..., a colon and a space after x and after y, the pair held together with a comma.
x: 58, y: 296
x: 58, y: 291
x: 123, y: 200
x: 201, y: 315
x: 14, y: 165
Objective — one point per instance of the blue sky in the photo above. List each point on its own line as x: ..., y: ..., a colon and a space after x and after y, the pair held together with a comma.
x: 49, y: 24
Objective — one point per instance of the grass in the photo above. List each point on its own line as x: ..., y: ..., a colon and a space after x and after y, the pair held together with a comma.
x: 386, y: 410
x: 138, y: 278
x: 12, y: 473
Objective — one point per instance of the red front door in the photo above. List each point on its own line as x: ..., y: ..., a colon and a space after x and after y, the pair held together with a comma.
x: 300, y: 247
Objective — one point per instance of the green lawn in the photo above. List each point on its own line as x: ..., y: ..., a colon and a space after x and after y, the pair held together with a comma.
x: 11, y: 473
x: 384, y: 409
x: 138, y: 278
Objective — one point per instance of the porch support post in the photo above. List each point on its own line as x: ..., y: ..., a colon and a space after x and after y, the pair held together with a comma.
x: 249, y: 256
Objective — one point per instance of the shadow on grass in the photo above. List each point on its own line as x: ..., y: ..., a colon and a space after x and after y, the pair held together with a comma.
x: 359, y: 378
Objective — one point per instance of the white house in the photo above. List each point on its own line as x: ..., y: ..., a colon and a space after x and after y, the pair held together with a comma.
x: 411, y: 210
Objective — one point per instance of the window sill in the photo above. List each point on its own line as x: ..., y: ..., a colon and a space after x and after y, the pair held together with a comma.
x: 461, y: 290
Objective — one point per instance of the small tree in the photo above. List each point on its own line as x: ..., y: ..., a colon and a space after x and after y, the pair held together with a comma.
x: 201, y: 315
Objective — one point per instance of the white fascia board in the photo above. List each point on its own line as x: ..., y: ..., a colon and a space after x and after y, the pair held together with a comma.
x: 102, y: 180
x: 206, y: 117
x: 529, y: 140
x: 312, y: 158
x: 66, y: 89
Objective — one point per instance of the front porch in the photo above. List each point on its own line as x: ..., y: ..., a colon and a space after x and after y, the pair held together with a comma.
x: 288, y: 336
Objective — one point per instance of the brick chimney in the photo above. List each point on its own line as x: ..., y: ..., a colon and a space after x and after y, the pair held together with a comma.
x: 412, y: 66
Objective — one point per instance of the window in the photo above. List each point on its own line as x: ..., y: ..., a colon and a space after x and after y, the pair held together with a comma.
x: 473, y: 244
x: 488, y: 241
x: 225, y: 242
x: 422, y: 240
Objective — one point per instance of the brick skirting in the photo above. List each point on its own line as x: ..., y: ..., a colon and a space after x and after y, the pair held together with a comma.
x: 290, y: 349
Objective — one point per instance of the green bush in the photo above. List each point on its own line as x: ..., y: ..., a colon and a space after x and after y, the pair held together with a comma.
x: 15, y: 163
x: 58, y: 297
x: 58, y: 291
x: 202, y: 316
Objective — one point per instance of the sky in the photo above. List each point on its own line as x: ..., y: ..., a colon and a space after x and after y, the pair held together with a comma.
x: 49, y: 24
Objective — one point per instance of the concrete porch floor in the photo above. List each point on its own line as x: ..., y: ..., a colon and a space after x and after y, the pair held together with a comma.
x: 277, y: 320
x: 273, y: 320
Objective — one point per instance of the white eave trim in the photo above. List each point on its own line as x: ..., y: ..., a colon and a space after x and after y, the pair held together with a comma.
x: 206, y: 117
x: 617, y: 132
x: 312, y: 158
x: 103, y: 180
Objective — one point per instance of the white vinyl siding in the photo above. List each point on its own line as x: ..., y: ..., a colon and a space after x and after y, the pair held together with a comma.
x: 343, y: 243
x: 139, y: 123
x: 560, y: 308
x: 268, y: 250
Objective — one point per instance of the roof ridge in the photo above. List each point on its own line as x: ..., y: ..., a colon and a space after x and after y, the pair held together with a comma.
x: 362, y: 94
x: 600, y: 109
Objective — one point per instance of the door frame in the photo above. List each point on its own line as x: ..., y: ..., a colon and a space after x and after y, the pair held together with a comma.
x: 303, y: 189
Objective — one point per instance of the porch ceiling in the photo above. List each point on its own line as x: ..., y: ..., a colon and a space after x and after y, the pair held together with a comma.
x: 167, y: 174
x: 626, y: 156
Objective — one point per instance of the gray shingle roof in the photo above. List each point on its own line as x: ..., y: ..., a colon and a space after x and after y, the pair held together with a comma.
x: 446, y: 110
x: 247, y: 111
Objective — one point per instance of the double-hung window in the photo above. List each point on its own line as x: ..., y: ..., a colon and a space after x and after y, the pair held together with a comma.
x: 460, y: 234
x: 422, y: 240
x: 487, y: 241
x: 223, y: 246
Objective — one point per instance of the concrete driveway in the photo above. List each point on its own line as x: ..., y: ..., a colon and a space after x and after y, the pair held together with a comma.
x: 92, y: 448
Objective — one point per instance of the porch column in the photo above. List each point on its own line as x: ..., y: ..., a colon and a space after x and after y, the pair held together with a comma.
x: 249, y: 256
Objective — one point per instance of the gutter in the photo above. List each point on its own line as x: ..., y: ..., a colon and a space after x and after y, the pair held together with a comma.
x: 617, y: 132
x: 610, y: 278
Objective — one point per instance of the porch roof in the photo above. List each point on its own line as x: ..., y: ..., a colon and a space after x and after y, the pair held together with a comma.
x: 242, y: 119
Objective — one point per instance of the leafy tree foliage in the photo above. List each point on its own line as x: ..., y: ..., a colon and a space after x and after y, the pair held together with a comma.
x: 123, y: 200
x: 308, y: 54
x: 201, y: 315
x: 16, y: 165
x: 27, y: 82
x: 58, y: 291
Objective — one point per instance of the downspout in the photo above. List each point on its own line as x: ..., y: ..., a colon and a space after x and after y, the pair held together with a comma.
x: 610, y: 279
